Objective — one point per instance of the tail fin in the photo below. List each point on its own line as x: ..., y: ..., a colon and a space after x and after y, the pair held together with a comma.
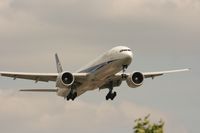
x: 58, y: 64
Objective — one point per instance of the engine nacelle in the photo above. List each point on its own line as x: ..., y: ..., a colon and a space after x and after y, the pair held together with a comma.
x: 65, y: 79
x: 135, y: 80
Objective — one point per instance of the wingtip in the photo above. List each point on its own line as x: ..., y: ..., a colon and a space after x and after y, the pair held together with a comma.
x: 188, y: 69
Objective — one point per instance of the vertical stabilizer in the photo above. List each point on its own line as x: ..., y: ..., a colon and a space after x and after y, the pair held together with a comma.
x: 58, y: 64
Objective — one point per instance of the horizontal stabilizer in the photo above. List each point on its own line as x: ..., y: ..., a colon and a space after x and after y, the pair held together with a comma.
x: 40, y: 90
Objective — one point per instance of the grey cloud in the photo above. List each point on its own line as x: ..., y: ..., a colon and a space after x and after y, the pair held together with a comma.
x: 29, y: 113
x: 156, y: 24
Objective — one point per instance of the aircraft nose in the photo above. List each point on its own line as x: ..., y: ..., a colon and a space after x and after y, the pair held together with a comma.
x: 128, y: 56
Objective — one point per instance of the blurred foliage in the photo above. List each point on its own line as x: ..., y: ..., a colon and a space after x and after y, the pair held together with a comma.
x: 145, y: 126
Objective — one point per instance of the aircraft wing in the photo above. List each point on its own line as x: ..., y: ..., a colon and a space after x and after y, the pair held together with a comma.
x: 160, y: 73
x: 117, y: 78
x: 44, y: 77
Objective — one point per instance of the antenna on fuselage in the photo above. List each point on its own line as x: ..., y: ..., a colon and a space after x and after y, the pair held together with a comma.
x: 58, y: 64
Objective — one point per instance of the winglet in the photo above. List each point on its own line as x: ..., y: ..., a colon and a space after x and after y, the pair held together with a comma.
x: 58, y: 64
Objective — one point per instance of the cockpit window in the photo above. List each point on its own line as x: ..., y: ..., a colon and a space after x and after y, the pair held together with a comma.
x: 124, y: 50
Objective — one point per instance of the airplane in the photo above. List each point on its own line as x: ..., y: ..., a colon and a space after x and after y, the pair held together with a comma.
x: 106, y: 72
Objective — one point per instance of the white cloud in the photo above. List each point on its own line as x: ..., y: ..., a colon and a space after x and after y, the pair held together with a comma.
x: 27, y: 112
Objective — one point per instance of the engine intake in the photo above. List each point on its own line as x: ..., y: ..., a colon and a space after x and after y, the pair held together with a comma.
x: 67, y: 78
x: 135, y: 80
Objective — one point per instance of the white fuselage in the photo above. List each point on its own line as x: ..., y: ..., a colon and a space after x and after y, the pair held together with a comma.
x: 101, y: 69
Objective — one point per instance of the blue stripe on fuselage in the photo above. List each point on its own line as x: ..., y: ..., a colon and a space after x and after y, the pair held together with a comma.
x: 96, y: 67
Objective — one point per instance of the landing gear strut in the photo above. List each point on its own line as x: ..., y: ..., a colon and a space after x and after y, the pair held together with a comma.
x: 111, y: 95
x: 124, y: 67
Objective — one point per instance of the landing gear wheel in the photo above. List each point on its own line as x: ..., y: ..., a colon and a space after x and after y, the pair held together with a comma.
x: 72, y: 96
x: 107, y: 97
x: 114, y: 94
x: 68, y: 98
x: 111, y: 95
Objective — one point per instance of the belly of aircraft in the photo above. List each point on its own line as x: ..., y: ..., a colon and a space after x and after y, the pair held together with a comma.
x: 98, y: 78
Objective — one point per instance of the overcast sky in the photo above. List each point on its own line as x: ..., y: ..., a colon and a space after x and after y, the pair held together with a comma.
x: 163, y: 34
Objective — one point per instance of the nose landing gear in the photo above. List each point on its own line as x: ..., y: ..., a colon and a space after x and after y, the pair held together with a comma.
x: 124, y: 67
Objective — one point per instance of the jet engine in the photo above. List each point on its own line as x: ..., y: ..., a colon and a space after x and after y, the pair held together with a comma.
x: 65, y: 79
x: 135, y: 80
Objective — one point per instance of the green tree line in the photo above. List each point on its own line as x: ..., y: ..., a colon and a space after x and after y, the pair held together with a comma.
x: 146, y: 126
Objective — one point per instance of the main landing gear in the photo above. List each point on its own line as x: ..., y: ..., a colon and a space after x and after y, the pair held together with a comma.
x: 111, y: 95
x: 72, y: 95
